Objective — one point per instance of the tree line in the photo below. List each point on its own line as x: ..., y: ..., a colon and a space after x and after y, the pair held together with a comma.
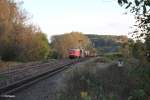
x: 62, y: 43
x: 22, y: 41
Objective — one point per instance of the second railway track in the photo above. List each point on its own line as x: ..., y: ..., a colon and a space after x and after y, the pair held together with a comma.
x: 41, y: 73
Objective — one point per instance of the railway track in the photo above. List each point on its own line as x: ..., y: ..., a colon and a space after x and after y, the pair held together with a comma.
x: 21, y: 80
x: 25, y: 71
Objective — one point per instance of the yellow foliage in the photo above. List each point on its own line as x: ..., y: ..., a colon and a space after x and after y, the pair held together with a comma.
x: 84, y: 94
x: 66, y: 41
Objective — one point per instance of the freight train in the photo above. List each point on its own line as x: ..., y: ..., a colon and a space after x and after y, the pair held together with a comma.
x: 79, y: 53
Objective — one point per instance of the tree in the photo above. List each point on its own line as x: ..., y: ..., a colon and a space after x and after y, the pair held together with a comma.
x: 8, y: 11
x: 33, y: 46
x: 141, y: 11
x: 138, y: 7
x: 19, y: 40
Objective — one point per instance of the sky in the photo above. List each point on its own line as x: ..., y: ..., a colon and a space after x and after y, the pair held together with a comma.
x: 87, y: 16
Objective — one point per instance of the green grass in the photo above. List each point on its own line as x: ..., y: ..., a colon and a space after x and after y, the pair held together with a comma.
x: 3, y: 77
x: 113, y: 56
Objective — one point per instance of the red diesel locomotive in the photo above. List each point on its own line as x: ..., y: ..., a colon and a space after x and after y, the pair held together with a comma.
x: 74, y: 53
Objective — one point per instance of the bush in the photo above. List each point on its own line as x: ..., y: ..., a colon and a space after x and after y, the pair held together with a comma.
x: 54, y: 55
x: 113, y: 56
x: 141, y: 80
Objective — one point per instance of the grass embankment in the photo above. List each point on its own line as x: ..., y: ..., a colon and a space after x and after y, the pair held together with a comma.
x: 97, y: 81
x: 5, y: 66
x: 140, y: 78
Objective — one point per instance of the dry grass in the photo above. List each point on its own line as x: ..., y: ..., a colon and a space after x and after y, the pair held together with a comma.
x: 90, y: 82
x: 5, y: 65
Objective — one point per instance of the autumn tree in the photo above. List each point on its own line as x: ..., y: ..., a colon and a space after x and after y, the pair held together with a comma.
x: 32, y: 46
x: 62, y: 43
x: 8, y: 12
x: 18, y: 39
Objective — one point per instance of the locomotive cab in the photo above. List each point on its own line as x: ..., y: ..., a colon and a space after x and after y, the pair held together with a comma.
x: 74, y: 53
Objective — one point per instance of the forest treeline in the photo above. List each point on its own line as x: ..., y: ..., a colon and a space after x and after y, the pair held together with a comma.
x: 20, y: 40
x: 62, y: 43
x: 122, y: 45
x: 107, y: 43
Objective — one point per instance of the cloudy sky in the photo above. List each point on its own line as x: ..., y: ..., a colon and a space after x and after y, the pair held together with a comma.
x: 87, y: 16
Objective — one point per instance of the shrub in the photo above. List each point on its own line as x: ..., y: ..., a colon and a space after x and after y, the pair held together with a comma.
x: 113, y: 56
x: 141, y: 80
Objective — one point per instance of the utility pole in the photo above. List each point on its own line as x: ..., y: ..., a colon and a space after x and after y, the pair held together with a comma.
x: 81, y: 48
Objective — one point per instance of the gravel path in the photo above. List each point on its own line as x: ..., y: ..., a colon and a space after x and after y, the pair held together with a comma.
x: 43, y: 90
